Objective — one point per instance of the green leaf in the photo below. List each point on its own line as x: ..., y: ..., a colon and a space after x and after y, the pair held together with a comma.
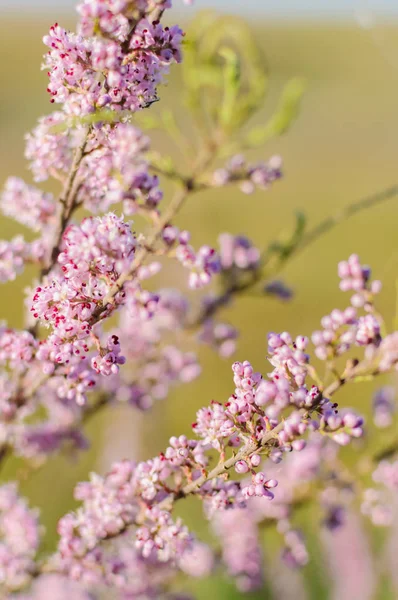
x: 284, y: 116
x: 231, y: 86
x: 224, y: 72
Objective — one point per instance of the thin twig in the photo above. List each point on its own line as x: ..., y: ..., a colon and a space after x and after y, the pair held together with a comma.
x: 140, y: 257
x: 344, y: 214
x: 172, y: 209
x: 307, y: 239
x: 254, y: 446
x: 67, y: 200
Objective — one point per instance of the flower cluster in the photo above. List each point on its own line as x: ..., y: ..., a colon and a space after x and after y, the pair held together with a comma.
x: 344, y: 328
x: 113, y: 17
x: 202, y: 264
x: 356, y: 277
x: 31, y: 207
x: 20, y: 539
x: 17, y: 253
x: 114, y: 171
x: 237, y: 252
x: 93, y: 256
x: 111, y: 505
x: 154, y: 367
x: 121, y: 73
x: 50, y: 147
x: 275, y: 415
x: 28, y: 393
x: 260, y: 175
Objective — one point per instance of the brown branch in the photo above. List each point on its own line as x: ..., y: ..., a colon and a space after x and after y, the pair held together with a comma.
x: 68, y: 201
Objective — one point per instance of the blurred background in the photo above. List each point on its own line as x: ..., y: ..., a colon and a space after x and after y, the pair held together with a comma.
x: 342, y: 147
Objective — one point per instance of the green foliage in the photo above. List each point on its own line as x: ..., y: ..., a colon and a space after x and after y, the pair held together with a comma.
x: 284, y: 116
x: 224, y: 72
x: 225, y: 77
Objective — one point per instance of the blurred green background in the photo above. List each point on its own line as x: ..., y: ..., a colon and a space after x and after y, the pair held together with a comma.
x: 342, y: 147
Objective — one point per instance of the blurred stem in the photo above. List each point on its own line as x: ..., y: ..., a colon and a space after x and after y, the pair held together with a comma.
x: 177, y: 176
x: 343, y: 215
x: 68, y: 201
x: 304, y: 242
x: 387, y: 452
x: 188, y: 187
x: 224, y: 298
x: 95, y: 408
x: 346, y: 213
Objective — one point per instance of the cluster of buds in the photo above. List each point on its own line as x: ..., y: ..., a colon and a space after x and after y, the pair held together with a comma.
x: 260, y: 175
x: 202, y: 264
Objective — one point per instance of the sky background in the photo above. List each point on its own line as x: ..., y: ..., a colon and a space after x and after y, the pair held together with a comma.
x: 282, y: 8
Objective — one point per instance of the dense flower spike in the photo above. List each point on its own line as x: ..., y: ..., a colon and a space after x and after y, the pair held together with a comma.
x: 93, y: 255
x: 89, y: 73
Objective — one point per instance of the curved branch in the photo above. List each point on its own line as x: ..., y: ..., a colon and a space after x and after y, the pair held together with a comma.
x: 307, y: 239
x: 346, y: 213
